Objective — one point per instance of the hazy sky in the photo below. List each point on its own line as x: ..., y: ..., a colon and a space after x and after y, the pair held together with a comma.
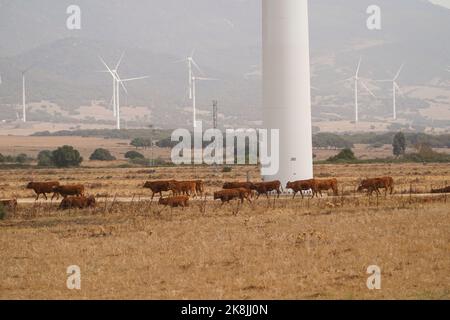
x: 445, y: 3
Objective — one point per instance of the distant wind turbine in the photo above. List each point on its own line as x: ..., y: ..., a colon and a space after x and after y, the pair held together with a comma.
x: 118, y: 82
x: 357, y: 81
x: 24, y: 98
x: 191, y: 65
x: 395, y: 88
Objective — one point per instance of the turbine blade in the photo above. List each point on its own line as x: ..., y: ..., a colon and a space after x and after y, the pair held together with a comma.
x: 179, y: 61
x: 367, y: 88
x: 359, y: 66
x: 399, y: 71
x: 123, y: 86
x: 133, y: 79
x: 192, y: 53
x: 120, y: 61
x: 206, y: 79
x: 196, y: 65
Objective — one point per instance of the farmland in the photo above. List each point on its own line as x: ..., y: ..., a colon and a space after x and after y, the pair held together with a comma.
x: 285, y: 249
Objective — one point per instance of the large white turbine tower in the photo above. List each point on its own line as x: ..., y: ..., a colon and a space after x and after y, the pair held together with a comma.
x: 118, y: 82
x: 395, y: 88
x: 356, y: 79
x: 287, y: 86
x: 24, y: 98
x: 194, y: 96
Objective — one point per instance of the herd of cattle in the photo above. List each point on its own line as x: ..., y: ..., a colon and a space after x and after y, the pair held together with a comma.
x: 181, y: 191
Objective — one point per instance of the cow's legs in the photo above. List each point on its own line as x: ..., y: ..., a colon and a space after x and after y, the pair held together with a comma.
x: 37, y: 197
x: 45, y: 196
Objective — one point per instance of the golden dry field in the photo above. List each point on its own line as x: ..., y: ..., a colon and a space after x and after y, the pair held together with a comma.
x: 284, y: 249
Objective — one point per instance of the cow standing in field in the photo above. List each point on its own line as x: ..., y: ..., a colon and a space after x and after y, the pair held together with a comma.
x: 69, y: 190
x: 303, y: 185
x: 443, y: 190
x: 158, y: 187
x: 77, y: 203
x: 327, y: 184
x: 199, y: 186
x: 43, y: 188
x: 230, y: 194
x: 174, y: 202
x: 375, y: 184
x: 236, y: 185
x: 267, y: 187
x: 186, y: 188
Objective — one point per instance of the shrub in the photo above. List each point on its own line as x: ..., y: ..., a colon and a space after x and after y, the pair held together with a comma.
x: 134, y: 155
x: 426, y: 154
x: 21, y: 158
x: 227, y: 169
x: 66, y: 156
x: 102, y: 155
x: 45, y: 159
x: 141, y: 143
x: 345, y: 155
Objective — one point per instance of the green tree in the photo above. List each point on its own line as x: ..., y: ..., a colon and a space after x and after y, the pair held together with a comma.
x: 102, y: 155
x: 22, y: 158
x: 45, y: 159
x: 399, y: 144
x: 134, y: 155
x: 66, y: 156
x: 141, y: 143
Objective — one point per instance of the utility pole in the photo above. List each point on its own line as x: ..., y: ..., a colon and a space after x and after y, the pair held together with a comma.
x: 215, y: 103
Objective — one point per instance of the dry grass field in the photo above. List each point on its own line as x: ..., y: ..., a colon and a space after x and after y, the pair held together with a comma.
x: 282, y: 249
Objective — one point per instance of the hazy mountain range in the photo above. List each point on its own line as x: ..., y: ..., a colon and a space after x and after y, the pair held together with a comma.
x: 226, y: 37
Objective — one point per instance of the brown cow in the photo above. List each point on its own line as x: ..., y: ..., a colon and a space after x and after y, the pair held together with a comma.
x: 327, y: 184
x: 69, y: 190
x: 10, y: 204
x: 443, y: 190
x: 230, y: 194
x: 267, y: 187
x: 199, y: 187
x: 182, y: 188
x: 303, y: 185
x: 77, y: 203
x: 174, y: 202
x: 43, y: 188
x: 236, y: 185
x: 158, y: 186
x: 375, y: 184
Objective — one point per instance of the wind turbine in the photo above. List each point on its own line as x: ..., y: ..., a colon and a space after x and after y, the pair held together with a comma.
x: 24, y: 99
x: 194, y: 80
x: 113, y: 72
x: 356, y: 79
x: 191, y: 65
x: 395, y: 87
x: 118, y: 82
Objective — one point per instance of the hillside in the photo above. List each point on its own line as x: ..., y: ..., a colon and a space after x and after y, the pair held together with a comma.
x: 226, y: 36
